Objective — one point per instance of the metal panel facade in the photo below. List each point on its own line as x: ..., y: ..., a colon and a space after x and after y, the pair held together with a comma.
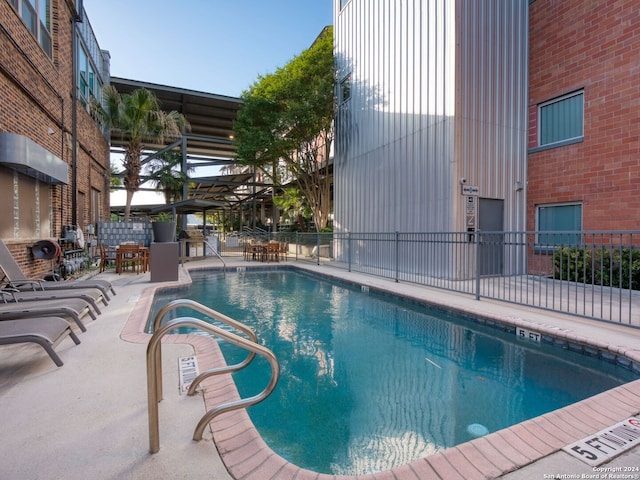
x: 491, y: 105
x: 437, y: 93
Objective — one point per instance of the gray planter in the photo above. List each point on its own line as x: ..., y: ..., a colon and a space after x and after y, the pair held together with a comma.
x: 163, y: 232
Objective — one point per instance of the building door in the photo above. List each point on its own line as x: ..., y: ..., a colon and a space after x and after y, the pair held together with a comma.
x: 491, y: 248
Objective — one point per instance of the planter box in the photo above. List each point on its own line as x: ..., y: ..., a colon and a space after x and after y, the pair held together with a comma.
x: 163, y: 232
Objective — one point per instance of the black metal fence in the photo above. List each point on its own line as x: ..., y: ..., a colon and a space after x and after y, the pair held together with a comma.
x: 590, y: 274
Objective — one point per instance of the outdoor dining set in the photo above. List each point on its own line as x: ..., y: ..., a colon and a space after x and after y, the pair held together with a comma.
x: 266, y: 252
x: 125, y: 256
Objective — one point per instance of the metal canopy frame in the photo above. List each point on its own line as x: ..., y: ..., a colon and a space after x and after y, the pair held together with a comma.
x: 211, y: 116
x: 208, y: 143
x: 192, y: 205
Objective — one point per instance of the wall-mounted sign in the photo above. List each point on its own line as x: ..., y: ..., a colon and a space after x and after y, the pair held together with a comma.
x: 471, y: 212
x: 470, y: 190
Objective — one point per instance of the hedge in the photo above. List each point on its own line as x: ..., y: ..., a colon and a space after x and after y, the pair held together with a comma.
x: 611, y: 267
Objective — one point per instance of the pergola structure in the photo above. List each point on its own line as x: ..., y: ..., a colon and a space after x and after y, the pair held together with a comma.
x: 209, y: 143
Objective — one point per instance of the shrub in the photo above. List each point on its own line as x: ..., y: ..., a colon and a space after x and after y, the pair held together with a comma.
x: 573, y: 264
x: 618, y: 267
x: 611, y: 267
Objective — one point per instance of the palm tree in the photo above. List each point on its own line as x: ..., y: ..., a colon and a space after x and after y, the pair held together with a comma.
x: 139, y: 120
x: 294, y: 207
x: 166, y: 173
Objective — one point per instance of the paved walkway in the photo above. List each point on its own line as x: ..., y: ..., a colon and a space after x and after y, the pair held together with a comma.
x: 88, y: 419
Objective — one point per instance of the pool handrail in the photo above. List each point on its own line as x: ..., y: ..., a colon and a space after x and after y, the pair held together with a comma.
x: 154, y: 361
x: 216, y: 253
x: 185, y: 302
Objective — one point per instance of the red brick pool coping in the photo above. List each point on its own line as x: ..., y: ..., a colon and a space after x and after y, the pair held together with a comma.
x: 247, y: 457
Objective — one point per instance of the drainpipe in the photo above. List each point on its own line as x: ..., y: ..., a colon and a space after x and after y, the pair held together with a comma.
x: 74, y: 120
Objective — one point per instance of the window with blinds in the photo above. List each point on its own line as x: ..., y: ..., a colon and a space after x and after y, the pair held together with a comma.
x: 561, y: 120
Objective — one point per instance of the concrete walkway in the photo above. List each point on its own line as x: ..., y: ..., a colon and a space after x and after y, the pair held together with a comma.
x: 88, y: 419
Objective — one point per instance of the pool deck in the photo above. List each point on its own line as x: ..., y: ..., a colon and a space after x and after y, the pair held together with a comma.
x: 89, y: 418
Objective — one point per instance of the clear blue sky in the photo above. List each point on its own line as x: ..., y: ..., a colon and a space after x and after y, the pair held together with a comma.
x: 213, y: 46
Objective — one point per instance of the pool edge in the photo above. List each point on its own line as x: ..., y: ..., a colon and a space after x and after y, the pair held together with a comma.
x: 247, y: 456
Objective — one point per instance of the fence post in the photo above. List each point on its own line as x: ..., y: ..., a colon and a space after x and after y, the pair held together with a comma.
x: 397, y: 255
x: 318, y: 247
x: 477, y: 242
x: 349, y: 251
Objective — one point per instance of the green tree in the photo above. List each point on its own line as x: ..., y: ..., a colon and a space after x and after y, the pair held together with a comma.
x: 287, y: 119
x: 165, y: 172
x: 115, y: 181
x: 137, y: 117
x: 294, y: 207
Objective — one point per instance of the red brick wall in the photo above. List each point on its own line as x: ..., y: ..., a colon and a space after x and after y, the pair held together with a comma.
x: 31, y: 267
x: 35, y: 96
x: 594, y: 45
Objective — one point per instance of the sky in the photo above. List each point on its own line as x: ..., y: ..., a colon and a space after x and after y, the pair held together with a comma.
x: 213, y: 46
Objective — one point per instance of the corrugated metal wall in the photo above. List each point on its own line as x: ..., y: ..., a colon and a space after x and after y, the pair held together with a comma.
x: 491, y: 77
x: 438, y: 92
x: 394, y: 148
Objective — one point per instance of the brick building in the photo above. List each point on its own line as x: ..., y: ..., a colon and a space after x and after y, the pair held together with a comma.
x: 584, y: 115
x: 46, y: 95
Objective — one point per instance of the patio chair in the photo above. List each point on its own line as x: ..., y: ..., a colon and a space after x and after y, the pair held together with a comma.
x: 254, y: 251
x: 70, y: 308
x: 91, y: 295
x: 284, y: 250
x: 130, y: 255
x: 47, y: 332
x: 272, y: 252
x: 107, y: 257
x: 17, y: 279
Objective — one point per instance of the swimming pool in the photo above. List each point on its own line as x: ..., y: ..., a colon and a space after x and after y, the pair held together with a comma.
x: 370, y: 382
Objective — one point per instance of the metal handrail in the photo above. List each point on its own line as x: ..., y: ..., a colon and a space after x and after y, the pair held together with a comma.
x: 185, y: 302
x: 154, y: 359
x: 216, y: 253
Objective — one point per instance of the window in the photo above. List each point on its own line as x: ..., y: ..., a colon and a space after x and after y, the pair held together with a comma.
x: 89, y: 86
x: 562, y: 219
x: 343, y: 3
x: 561, y: 121
x: 83, y: 84
x: 345, y: 89
x: 36, y: 14
x: 44, y: 16
x: 92, y: 66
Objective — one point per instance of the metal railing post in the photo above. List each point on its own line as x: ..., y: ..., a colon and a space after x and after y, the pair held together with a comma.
x: 318, y: 248
x: 349, y: 251
x: 397, y: 236
x: 477, y: 242
x: 154, y: 359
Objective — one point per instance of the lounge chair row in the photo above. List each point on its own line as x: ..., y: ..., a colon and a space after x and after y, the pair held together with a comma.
x: 33, y: 310
x: 45, y: 331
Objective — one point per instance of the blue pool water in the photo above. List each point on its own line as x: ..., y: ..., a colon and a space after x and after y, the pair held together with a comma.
x: 369, y: 382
